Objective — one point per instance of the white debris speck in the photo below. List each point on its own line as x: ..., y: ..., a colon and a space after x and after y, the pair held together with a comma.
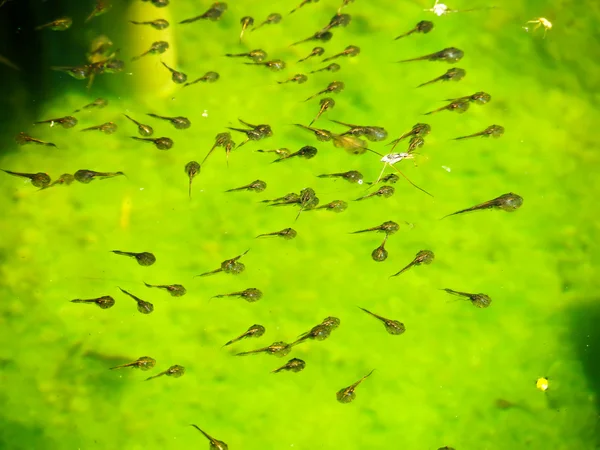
x: 205, y: 113
x: 447, y: 169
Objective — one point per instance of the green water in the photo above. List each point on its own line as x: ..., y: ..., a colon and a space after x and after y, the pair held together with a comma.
x: 435, y: 385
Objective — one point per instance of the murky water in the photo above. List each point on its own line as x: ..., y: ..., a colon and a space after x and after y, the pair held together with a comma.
x: 459, y: 376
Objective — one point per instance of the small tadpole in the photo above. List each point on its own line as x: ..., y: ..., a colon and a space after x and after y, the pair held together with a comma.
x: 176, y: 77
x: 246, y: 22
x: 61, y: 24
x: 380, y: 254
x: 156, y: 48
x: 347, y: 394
x: 255, y: 186
x: 326, y: 103
x: 319, y: 332
x: 143, y: 258
x: 494, y: 131
x: 507, y: 202
x: 208, y: 77
x: 23, y: 139
x: 192, y: 169
x: 257, y: 55
x: 333, y: 87
x: 106, y: 128
x: 423, y: 257
x: 176, y: 290
x: 40, y: 180
x: 306, y: 152
x: 99, y: 103
x: 254, y: 331
x: 293, y: 365
x: 393, y: 327
x: 275, y: 65
x: 213, y: 13
x: 279, y: 349
x: 299, y: 78
x: 271, y: 19
x: 317, y: 51
x: 142, y: 306
x: 384, y: 191
x: 336, y: 206
x: 161, y: 143
x: 143, y: 363
x: 350, y: 51
x: 102, y: 7
x: 86, y: 176
x: 104, y: 302
x: 477, y: 300
x: 286, y: 233
x: 179, y: 122
x: 251, y: 295
x: 459, y: 106
x: 175, y: 371
x: 65, y: 122
x: 389, y: 227
x: 424, y: 26
x: 454, y: 74
x: 158, y: 24
x: 143, y: 130
x: 304, y: 2
x: 449, y: 55
x: 230, y: 266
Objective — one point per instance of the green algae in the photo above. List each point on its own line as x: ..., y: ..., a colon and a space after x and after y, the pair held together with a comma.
x: 435, y: 385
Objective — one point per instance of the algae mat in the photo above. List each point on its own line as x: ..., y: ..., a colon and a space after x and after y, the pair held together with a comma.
x: 437, y: 384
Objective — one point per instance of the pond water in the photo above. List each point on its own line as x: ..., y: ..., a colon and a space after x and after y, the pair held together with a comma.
x: 459, y: 376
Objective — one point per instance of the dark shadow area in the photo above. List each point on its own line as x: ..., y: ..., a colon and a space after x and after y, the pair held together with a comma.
x: 17, y: 436
x: 585, y: 320
x: 26, y: 55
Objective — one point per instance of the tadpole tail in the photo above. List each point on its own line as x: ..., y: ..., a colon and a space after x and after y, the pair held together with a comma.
x: 467, y: 137
x: 212, y: 272
x: 237, y: 189
x: 122, y: 366
x: 300, y: 42
x: 192, y: 82
x: 208, y: 154
x: 406, y: 34
x: 422, y: 58
x: 154, y: 376
x: 471, y: 209
x: 193, y: 19
x: 429, y: 82
x: 403, y: 270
